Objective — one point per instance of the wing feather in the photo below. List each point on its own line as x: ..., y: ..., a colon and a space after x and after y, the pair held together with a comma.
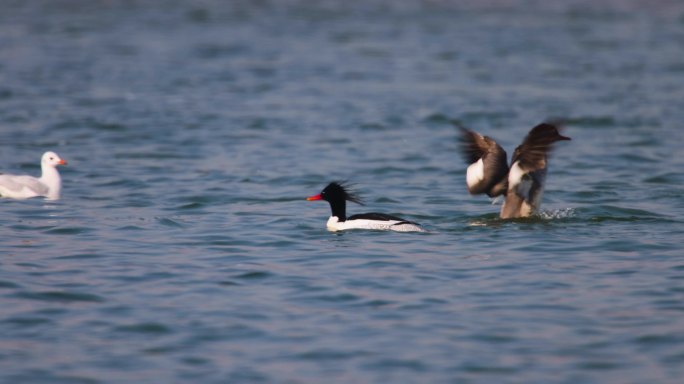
x: 17, y: 183
x: 489, y: 176
x: 379, y: 217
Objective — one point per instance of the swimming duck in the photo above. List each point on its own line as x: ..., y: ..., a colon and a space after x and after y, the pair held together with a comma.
x: 337, y: 194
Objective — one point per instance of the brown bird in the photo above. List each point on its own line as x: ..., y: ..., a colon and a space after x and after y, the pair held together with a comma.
x: 523, y: 182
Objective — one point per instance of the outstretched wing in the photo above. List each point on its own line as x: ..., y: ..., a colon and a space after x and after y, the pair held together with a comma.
x: 473, y: 145
x: 531, y: 154
x: 487, y: 165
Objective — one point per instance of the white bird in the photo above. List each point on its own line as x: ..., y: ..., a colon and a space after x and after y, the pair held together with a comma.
x: 24, y: 187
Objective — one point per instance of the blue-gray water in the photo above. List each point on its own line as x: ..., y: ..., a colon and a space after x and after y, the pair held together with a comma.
x: 183, y: 249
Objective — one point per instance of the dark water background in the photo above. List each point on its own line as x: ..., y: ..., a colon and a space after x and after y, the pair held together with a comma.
x: 183, y: 249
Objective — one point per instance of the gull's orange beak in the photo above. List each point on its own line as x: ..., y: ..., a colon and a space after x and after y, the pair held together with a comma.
x: 62, y: 162
x: 315, y: 197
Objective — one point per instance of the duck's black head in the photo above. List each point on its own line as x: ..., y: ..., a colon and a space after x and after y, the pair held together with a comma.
x: 337, y: 194
x: 545, y: 134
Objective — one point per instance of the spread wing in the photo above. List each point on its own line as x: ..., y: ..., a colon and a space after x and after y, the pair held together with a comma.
x: 487, y: 164
x: 531, y: 154
x: 475, y: 146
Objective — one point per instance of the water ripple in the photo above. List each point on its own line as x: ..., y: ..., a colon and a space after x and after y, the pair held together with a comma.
x: 59, y: 296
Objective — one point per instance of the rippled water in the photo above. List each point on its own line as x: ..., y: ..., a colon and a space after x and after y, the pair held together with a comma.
x: 183, y: 249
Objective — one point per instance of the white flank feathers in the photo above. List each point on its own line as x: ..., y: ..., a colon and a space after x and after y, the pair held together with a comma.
x: 335, y: 225
x: 518, y: 182
x: 475, y: 173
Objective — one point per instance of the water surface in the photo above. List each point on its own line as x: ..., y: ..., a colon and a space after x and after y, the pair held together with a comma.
x: 183, y: 249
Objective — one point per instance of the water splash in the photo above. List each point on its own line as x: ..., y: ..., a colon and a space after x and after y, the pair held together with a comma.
x: 557, y: 214
x: 542, y: 216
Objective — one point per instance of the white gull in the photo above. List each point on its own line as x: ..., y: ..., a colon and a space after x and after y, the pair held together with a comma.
x: 48, y: 185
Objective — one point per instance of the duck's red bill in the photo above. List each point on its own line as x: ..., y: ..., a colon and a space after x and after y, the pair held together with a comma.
x: 315, y: 197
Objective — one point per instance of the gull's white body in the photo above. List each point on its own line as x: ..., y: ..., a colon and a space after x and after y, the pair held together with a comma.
x: 48, y: 185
